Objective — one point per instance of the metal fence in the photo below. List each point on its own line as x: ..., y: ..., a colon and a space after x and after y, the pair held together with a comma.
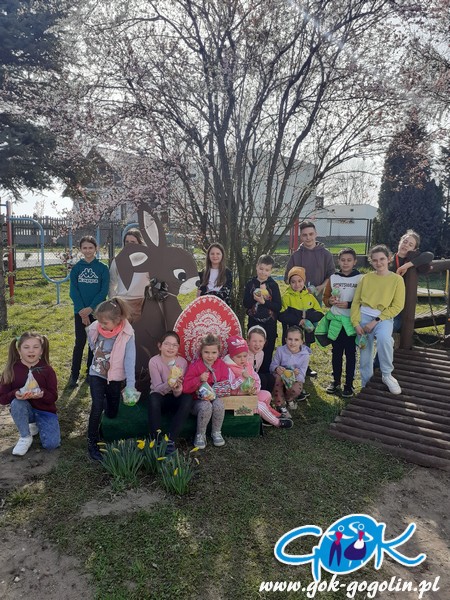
x: 337, y: 233
x: 51, y: 243
x: 30, y: 236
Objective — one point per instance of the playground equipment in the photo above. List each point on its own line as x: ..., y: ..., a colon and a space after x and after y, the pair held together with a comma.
x: 10, y: 220
x: 414, y: 425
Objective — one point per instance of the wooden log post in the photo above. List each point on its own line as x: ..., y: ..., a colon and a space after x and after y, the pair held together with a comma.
x: 447, y: 324
x: 409, y: 312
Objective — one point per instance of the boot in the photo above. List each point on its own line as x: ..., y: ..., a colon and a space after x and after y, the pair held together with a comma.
x: 94, y: 452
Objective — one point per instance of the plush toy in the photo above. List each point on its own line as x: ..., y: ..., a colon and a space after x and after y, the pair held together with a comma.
x: 248, y: 385
x: 336, y: 292
x: 174, y: 374
x: 308, y: 326
x: 205, y: 392
x: 361, y: 341
x: 288, y: 377
x: 312, y: 289
x: 130, y: 396
x: 262, y: 291
x: 31, y: 387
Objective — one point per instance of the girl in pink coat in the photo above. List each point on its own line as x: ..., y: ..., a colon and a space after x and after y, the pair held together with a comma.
x: 208, y: 369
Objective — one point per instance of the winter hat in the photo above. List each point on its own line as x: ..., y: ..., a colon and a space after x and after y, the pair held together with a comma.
x: 236, y: 345
x: 300, y: 271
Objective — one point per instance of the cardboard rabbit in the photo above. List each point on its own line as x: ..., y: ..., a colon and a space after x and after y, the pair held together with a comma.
x: 172, y: 271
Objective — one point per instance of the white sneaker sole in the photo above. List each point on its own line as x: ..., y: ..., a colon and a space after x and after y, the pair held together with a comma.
x: 22, y: 449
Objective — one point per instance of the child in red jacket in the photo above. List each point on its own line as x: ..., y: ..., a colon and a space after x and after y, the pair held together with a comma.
x: 208, y: 369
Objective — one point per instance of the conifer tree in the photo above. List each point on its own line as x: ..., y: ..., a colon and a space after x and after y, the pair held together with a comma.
x: 409, y: 197
x: 30, y: 63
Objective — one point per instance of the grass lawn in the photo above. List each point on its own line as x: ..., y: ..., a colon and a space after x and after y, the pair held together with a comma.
x: 218, y: 541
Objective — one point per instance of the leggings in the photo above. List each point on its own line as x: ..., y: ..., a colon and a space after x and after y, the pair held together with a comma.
x: 209, y: 411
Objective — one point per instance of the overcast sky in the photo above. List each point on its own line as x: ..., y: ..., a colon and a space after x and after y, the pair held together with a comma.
x: 32, y: 203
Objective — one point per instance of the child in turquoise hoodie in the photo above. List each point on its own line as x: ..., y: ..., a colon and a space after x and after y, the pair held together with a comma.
x: 89, y: 283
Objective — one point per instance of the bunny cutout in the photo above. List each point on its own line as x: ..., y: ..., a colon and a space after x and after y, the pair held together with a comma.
x: 172, y: 271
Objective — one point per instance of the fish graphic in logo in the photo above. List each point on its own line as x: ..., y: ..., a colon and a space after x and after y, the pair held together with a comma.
x: 347, y: 545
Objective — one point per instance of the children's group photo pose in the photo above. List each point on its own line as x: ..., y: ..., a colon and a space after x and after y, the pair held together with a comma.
x: 322, y: 305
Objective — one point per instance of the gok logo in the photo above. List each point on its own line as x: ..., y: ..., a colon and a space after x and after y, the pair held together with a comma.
x: 346, y: 546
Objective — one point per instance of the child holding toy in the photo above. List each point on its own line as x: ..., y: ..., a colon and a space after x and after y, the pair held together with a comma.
x: 299, y: 306
x: 379, y: 297
x: 216, y: 279
x: 256, y: 339
x: 262, y: 299
x: 244, y: 381
x: 28, y: 384
x: 207, y: 378
x: 289, y: 366
x: 336, y: 326
x: 111, y: 339
x: 167, y: 370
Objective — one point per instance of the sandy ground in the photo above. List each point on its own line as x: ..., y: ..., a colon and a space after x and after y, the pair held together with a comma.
x: 31, y: 567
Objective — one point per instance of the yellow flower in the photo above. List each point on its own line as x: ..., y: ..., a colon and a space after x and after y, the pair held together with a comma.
x: 161, y: 458
x: 152, y: 443
x: 166, y: 437
x: 116, y: 450
x: 194, y: 449
x: 197, y: 462
x: 158, y: 431
x: 141, y: 444
x: 175, y: 472
x: 101, y: 443
x: 103, y: 450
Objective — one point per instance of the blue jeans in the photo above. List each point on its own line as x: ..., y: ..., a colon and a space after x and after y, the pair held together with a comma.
x: 23, y: 414
x: 396, y: 329
x: 382, y: 332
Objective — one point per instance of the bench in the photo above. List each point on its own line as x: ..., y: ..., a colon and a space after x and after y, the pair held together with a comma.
x: 132, y: 421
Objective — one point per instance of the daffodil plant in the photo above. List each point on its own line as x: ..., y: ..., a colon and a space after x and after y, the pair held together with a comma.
x: 122, y: 460
x: 155, y: 453
x: 177, y: 471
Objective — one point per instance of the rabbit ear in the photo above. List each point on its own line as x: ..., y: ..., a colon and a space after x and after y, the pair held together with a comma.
x: 132, y: 259
x: 151, y: 227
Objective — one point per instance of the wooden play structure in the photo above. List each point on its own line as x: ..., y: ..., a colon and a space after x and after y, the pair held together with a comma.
x: 414, y: 425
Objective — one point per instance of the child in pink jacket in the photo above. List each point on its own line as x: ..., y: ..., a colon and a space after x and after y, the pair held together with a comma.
x: 244, y: 381
x: 208, y: 369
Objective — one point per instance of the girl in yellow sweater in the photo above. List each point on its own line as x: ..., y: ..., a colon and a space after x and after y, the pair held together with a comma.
x: 379, y: 297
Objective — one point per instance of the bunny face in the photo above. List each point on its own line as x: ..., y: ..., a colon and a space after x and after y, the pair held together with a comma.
x: 174, y: 266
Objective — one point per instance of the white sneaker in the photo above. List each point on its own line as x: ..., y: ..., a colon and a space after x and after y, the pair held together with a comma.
x: 34, y: 429
x: 392, y: 384
x: 22, y: 446
x: 292, y: 405
x: 200, y: 441
x: 285, y: 414
x: 217, y: 439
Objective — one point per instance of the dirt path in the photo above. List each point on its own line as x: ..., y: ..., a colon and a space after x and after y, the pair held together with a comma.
x: 31, y: 567
x: 422, y: 497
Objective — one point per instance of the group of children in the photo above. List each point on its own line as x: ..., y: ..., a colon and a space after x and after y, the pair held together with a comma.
x: 362, y: 308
